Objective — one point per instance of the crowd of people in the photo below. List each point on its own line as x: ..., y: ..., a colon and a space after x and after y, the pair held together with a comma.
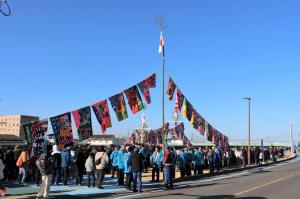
x: 126, y: 162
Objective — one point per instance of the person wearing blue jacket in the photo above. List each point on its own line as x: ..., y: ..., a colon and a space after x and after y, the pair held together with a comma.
x: 217, y: 159
x: 127, y: 167
x: 156, y: 160
x: 66, y: 162
x: 199, y: 161
x: 114, y: 158
x: 181, y: 163
x: 120, y: 165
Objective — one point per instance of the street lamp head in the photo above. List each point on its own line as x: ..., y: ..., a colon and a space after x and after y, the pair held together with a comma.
x: 247, y: 98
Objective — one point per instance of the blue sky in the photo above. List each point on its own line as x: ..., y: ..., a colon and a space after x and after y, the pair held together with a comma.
x: 59, y: 56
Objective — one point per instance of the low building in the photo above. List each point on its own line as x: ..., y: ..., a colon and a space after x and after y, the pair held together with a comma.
x: 97, y: 140
x: 11, y: 125
x: 10, y: 140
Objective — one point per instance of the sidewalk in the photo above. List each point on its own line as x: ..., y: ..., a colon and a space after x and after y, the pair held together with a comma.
x: 16, y: 191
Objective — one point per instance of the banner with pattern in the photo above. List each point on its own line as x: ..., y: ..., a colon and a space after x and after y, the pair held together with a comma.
x: 149, y: 82
x: 102, y: 114
x: 39, y: 137
x: 171, y: 88
x: 134, y: 99
x: 28, y: 133
x: 118, y: 104
x: 83, y: 122
x: 62, y: 129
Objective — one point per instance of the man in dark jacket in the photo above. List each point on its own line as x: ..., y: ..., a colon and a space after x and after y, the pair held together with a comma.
x: 80, y: 161
x: 137, y: 169
x: 45, y: 163
x: 66, y: 162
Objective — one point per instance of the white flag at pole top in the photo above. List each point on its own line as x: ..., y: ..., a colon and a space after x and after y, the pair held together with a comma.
x: 161, y: 48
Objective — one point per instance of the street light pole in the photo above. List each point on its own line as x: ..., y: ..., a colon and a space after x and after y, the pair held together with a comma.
x: 291, y: 130
x: 249, y: 111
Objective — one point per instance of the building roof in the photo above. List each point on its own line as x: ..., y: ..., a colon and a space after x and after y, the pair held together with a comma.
x: 8, y: 137
x: 105, y: 136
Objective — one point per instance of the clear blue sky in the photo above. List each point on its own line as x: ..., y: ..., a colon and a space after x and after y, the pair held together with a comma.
x: 56, y: 56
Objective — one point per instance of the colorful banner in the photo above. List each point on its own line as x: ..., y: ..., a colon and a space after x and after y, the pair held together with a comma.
x: 187, y: 143
x: 159, y: 136
x: 28, y: 133
x: 144, y: 86
x: 209, y: 132
x: 152, y: 137
x: 62, y: 129
x: 39, y: 138
x: 118, y: 103
x: 171, y: 88
x: 178, y: 131
x: 189, y: 110
x: 179, y: 100
x: 102, y: 114
x: 134, y: 99
x: 83, y: 122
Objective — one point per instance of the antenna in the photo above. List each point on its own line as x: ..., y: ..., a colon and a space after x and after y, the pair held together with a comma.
x: 160, y: 22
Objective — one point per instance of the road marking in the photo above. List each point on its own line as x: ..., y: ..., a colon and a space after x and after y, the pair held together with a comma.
x: 266, y: 184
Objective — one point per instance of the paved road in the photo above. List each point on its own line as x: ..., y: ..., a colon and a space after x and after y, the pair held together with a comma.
x: 281, y: 181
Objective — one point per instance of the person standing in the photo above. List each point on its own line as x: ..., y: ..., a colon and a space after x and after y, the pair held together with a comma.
x: 156, y: 160
x: 101, y: 161
x: 45, y: 163
x: 120, y: 164
x: 57, y: 165
x: 188, y: 162
x: 128, y: 168
x: 79, y: 162
x: 210, y: 158
x: 199, y: 161
x: 181, y: 163
x: 90, y: 169
x: 65, y: 163
x: 3, y: 188
x: 22, y: 163
x: 168, y: 160
x: 114, y: 161
x: 217, y: 159
x: 137, y: 169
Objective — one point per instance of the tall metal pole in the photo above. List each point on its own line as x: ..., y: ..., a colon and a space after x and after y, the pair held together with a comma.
x: 161, y: 24
x: 163, y: 100
x: 249, y: 155
x: 249, y: 129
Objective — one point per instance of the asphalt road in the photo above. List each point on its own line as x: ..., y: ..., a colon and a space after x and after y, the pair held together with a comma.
x: 279, y: 181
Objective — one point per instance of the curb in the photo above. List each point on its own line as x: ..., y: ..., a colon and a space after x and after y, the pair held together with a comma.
x: 227, y: 171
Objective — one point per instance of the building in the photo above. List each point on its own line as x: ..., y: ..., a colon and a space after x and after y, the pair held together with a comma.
x: 11, y: 125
